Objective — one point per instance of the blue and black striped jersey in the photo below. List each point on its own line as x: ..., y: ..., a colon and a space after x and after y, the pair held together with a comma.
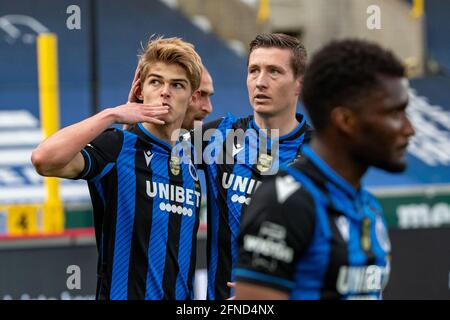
x: 146, y: 203
x: 309, y: 233
x: 230, y: 185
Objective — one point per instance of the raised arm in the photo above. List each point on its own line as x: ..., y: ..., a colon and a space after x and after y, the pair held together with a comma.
x: 60, y: 155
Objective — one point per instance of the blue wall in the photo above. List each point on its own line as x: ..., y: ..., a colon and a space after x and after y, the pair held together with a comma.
x: 438, y: 31
x: 18, y: 69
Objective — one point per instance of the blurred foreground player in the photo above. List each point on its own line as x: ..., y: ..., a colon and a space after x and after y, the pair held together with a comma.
x: 146, y: 201
x: 312, y: 232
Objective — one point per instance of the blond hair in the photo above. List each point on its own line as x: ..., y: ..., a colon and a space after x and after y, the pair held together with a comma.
x: 172, y: 51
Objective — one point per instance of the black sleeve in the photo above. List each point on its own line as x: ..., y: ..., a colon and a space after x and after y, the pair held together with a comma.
x: 101, y: 153
x: 275, y: 231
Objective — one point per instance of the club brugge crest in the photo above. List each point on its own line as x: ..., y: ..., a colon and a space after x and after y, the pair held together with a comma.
x: 193, y: 171
x: 264, y: 163
x: 382, y: 235
x: 366, y: 242
x: 174, y: 164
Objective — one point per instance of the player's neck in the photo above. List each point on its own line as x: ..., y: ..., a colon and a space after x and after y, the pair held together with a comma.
x: 340, y: 161
x: 163, y: 132
x: 284, y: 123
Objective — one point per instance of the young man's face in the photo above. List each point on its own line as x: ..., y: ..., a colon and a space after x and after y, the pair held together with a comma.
x: 167, y: 84
x: 201, y: 107
x: 272, y: 87
x: 383, y: 126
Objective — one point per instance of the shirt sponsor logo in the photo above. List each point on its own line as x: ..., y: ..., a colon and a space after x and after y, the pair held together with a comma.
x: 362, y: 279
x: 172, y: 193
x: 269, y: 246
x: 239, y: 185
x: 236, y: 182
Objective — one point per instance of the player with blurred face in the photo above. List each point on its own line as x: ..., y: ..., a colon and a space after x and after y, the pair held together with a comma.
x: 199, y: 109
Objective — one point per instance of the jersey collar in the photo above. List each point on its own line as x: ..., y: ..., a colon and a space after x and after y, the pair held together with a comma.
x: 329, y: 173
x: 153, y: 139
x: 300, y: 127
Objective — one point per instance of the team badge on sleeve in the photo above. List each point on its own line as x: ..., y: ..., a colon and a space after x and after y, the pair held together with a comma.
x: 193, y: 171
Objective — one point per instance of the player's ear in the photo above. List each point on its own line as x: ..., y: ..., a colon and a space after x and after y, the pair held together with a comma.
x: 344, y: 119
x: 194, y: 97
x: 137, y: 90
x: 298, y: 85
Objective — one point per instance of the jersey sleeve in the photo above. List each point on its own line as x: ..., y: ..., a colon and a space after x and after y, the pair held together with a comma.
x: 101, y: 153
x: 275, y: 231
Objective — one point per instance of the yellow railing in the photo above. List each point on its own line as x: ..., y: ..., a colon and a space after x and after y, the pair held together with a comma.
x: 418, y: 7
x: 47, y: 54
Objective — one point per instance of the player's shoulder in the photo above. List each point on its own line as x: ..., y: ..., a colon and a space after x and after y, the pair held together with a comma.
x: 109, y: 137
x: 283, y: 200
x: 116, y: 132
x: 284, y: 192
x: 224, y: 122
x: 243, y: 122
x: 372, y: 202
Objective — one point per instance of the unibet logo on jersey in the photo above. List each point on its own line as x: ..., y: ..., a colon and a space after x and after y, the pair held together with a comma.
x: 174, y: 193
x: 239, y: 184
x: 357, y: 281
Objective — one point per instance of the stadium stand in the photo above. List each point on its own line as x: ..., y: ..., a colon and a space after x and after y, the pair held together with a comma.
x: 438, y: 29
